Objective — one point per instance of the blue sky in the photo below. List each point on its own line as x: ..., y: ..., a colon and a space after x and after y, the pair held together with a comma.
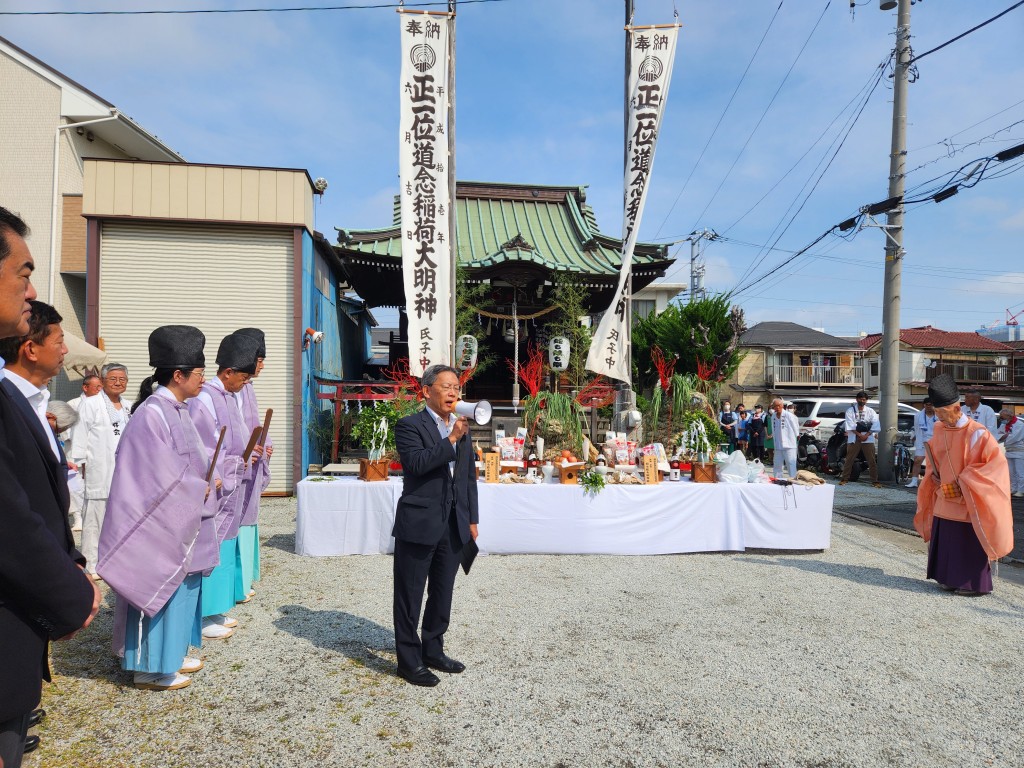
x: 539, y: 100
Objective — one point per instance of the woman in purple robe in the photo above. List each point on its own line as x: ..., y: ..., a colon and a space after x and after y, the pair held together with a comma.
x: 158, y: 537
x: 218, y: 406
x: 247, y: 570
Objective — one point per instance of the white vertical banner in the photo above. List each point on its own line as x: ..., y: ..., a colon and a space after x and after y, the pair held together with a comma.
x: 652, y: 52
x: 426, y: 201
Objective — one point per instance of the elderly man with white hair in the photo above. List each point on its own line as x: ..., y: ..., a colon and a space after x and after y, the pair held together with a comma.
x: 94, y: 441
x: 1011, y: 435
x: 786, y: 432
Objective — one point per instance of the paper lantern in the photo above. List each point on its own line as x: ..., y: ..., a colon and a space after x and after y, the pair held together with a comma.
x: 558, y: 353
x: 465, y: 352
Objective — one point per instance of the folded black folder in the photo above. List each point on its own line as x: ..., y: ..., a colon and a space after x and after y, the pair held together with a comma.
x: 469, y: 551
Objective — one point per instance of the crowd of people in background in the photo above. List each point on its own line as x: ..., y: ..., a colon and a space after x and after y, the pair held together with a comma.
x: 165, y: 491
x: 765, y: 436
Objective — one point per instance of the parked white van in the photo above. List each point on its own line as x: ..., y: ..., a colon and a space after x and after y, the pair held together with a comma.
x: 823, y: 413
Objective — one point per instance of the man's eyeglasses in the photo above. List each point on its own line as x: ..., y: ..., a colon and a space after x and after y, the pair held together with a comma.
x: 117, y: 380
x: 448, y: 387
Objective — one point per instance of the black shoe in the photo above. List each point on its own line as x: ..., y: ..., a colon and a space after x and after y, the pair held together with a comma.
x: 443, y: 663
x: 419, y: 676
x: 31, y: 742
x: 36, y: 717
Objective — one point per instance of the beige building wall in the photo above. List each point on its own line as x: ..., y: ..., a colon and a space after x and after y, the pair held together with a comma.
x: 198, y: 193
x: 30, y: 113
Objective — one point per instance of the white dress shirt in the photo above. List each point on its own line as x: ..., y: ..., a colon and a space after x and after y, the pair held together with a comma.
x: 445, y: 429
x: 38, y: 399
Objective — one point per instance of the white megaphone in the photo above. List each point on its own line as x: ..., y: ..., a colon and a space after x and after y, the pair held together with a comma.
x: 478, y: 412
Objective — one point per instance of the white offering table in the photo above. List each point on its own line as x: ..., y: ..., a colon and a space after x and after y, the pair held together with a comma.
x: 344, y: 516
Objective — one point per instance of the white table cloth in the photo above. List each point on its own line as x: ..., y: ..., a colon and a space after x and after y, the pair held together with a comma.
x: 345, y: 516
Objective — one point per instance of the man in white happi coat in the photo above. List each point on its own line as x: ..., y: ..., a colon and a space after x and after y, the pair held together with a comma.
x: 1011, y: 435
x: 94, y: 440
x: 92, y: 384
x: 924, y: 426
x: 981, y: 413
x: 862, y: 426
x: 785, y: 433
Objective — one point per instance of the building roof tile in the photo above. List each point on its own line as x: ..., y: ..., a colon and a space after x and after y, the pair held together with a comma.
x: 782, y: 335
x: 927, y: 337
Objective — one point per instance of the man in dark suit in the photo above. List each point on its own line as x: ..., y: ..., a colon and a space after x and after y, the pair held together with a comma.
x: 436, y: 517
x: 31, y: 361
x: 44, y: 594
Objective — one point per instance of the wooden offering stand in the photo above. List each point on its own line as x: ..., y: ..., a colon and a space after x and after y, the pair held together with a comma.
x: 704, y: 473
x: 568, y: 474
x: 373, y: 470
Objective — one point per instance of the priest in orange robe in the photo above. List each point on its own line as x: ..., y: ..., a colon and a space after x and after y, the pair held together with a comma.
x: 963, y: 502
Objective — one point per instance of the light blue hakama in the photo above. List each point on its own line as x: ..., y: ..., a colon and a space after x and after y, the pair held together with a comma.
x: 164, y: 641
x: 219, y: 586
x: 247, y: 568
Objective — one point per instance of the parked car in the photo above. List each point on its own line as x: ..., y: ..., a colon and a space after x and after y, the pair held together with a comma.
x: 823, y: 413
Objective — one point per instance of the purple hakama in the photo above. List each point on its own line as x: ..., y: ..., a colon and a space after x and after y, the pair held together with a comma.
x: 956, y: 559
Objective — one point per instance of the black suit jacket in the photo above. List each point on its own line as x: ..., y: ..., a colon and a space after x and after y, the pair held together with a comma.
x: 426, y: 502
x: 43, y: 593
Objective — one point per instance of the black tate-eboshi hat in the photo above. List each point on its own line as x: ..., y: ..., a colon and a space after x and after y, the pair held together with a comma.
x: 238, y: 352
x: 257, y: 334
x: 177, y: 346
x: 943, y: 391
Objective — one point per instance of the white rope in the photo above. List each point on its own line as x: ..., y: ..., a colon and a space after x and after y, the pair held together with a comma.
x: 515, y: 342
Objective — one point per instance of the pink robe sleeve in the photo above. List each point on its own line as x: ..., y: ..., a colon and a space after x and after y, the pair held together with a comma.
x: 985, y: 482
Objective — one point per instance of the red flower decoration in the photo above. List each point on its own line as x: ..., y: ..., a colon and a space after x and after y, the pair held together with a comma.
x: 532, y: 372
x: 665, y: 368
x: 596, y: 394
x: 401, y: 374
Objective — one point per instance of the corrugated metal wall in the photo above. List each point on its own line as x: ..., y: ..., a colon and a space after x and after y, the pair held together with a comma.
x: 216, y: 277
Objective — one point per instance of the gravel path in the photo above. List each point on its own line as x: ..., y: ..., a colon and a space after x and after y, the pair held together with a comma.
x: 841, y: 658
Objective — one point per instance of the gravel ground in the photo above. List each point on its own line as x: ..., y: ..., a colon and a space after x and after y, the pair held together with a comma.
x: 841, y: 658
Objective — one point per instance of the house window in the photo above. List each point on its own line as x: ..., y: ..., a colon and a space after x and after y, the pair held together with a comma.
x: 642, y: 308
x: 873, y: 367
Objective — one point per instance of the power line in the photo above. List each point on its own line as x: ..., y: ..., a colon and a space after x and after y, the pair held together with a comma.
x: 721, y: 117
x: 764, y: 114
x: 879, y: 306
x: 945, y: 142
x: 813, y: 145
x: 965, y: 34
x: 984, y: 163
x: 188, y: 11
x: 852, y: 123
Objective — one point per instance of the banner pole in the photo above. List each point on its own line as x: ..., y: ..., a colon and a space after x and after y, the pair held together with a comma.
x: 453, y: 244
x: 625, y: 168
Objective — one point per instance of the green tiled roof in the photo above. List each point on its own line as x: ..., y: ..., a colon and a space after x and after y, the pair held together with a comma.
x: 499, y: 223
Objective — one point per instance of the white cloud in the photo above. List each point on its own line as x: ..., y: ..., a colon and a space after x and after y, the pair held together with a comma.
x: 1014, y: 222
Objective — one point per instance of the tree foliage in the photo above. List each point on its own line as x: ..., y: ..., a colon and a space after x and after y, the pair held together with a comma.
x: 571, y: 295
x: 703, y: 335
x: 469, y: 296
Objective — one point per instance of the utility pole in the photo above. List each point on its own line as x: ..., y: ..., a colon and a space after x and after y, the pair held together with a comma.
x: 696, y: 270
x: 890, y: 373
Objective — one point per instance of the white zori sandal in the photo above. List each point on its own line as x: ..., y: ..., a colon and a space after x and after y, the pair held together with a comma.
x: 154, y: 681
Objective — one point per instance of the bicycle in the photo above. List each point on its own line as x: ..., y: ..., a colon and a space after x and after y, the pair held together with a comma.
x: 902, y: 462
